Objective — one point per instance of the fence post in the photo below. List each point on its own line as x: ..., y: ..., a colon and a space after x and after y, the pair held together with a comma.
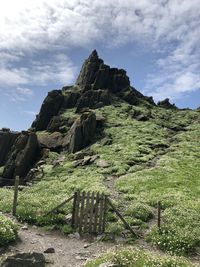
x: 15, y: 195
x: 159, y: 215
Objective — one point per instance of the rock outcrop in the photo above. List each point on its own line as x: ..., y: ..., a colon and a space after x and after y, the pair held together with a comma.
x: 81, y: 132
x: 166, y: 104
x: 22, y: 156
x: 32, y: 259
x: 50, y: 107
x: 7, y: 139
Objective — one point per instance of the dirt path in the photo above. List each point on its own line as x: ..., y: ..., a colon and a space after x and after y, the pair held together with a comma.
x: 69, y: 251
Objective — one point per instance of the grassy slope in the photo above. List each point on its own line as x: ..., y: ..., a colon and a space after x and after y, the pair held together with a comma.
x: 168, y: 171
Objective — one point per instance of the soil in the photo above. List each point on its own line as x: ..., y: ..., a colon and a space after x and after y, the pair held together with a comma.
x: 69, y: 251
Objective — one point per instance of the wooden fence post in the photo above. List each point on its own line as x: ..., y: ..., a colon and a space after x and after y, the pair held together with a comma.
x: 159, y: 215
x: 15, y: 195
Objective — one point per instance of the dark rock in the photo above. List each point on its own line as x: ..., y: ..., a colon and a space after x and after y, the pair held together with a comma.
x: 89, y: 69
x: 32, y: 259
x: 7, y: 139
x: 50, y: 107
x: 22, y: 156
x: 70, y: 99
x: 49, y: 250
x: 81, y: 132
x: 166, y: 104
x: 60, y: 124
x: 93, y: 99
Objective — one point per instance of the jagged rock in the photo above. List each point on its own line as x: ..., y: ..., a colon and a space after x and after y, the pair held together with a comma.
x: 89, y: 70
x: 95, y: 74
x: 7, y: 139
x: 82, y: 132
x: 32, y: 259
x: 50, y: 107
x: 93, y: 99
x: 85, y: 161
x: 23, y: 154
x: 70, y: 98
x: 58, y: 123
x: 52, y: 141
x: 166, y: 104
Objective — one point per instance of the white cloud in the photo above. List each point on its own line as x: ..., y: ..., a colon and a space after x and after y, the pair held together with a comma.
x: 170, y: 27
x: 19, y: 94
x: 56, y: 68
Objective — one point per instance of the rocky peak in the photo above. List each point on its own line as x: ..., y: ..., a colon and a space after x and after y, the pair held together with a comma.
x: 94, y: 55
x: 166, y: 104
x: 96, y: 75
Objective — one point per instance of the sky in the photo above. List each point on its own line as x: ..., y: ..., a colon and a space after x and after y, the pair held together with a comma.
x: 43, y: 44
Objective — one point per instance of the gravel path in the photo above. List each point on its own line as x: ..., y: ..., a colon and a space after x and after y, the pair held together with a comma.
x: 69, y: 251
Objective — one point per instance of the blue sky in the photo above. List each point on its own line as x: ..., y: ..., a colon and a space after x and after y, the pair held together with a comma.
x: 43, y: 44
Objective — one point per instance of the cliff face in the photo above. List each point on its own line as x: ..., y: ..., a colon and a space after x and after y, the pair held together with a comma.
x: 97, y: 85
x: 7, y: 139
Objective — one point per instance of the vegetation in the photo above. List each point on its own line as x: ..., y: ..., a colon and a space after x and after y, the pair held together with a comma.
x: 8, y: 230
x: 133, y: 257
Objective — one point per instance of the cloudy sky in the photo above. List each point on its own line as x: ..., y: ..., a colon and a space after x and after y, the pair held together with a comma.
x: 44, y: 42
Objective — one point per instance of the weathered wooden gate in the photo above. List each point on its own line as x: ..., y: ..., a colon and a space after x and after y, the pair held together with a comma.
x: 89, y: 211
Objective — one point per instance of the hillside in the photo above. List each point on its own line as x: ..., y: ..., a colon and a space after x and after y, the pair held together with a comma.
x: 103, y: 135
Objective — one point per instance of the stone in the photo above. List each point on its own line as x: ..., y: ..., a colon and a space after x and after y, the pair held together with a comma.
x: 50, y: 108
x: 82, y: 132
x: 49, y: 250
x: 22, y: 156
x: 106, y: 141
x: 93, y: 99
x: 70, y: 98
x: 24, y: 227
x: 7, y: 139
x: 77, y: 235
x: 102, y: 163
x: 32, y: 259
x: 52, y: 141
x: 166, y: 104
x: 89, y: 69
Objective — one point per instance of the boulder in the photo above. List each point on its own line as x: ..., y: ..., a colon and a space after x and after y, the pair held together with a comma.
x: 22, y: 156
x: 31, y: 259
x: 7, y: 139
x: 50, y: 107
x: 82, y: 132
x: 52, y: 141
x: 166, y: 104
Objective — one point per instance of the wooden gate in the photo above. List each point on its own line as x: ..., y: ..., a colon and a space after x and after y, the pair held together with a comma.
x: 89, y: 211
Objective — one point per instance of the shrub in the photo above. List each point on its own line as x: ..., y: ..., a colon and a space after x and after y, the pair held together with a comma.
x: 8, y: 230
x: 138, y: 258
